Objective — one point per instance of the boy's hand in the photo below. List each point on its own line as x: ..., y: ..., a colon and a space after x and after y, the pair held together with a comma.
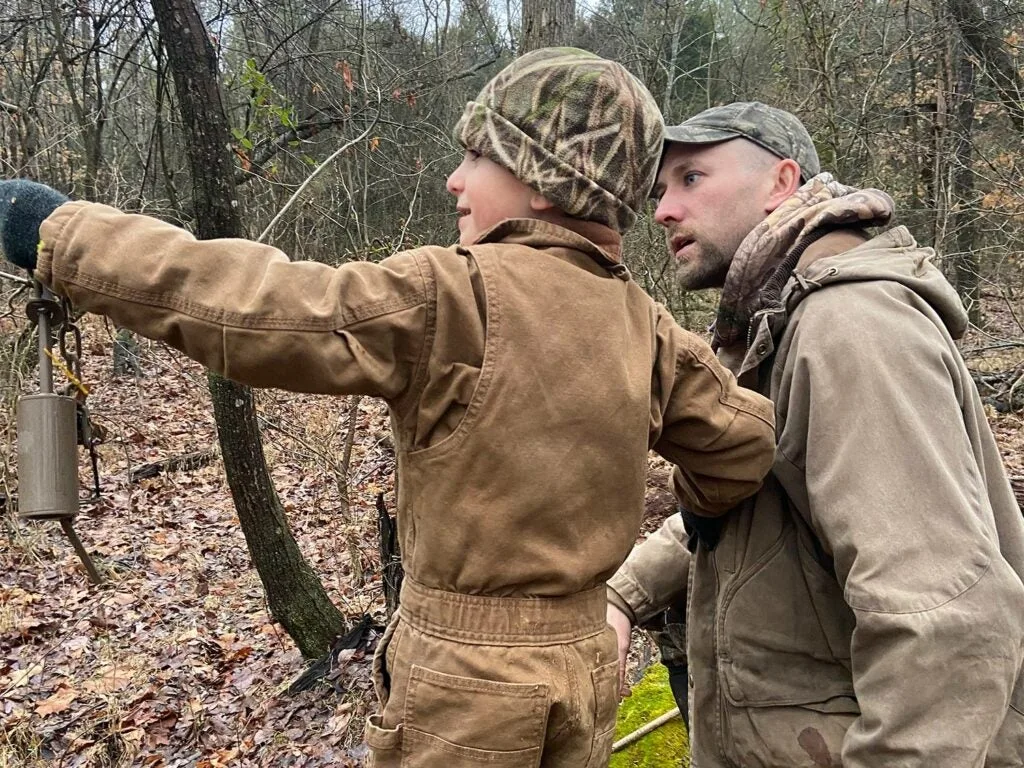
x: 621, y: 624
x: 23, y: 207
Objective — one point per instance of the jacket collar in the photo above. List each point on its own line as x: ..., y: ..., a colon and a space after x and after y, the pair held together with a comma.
x: 601, y: 243
x: 744, y: 360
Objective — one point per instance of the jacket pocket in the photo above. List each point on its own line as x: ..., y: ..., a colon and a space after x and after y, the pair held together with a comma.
x: 461, y: 721
x: 787, y: 695
x: 606, y: 697
x: 784, y: 631
x: 808, y: 736
x: 1007, y: 747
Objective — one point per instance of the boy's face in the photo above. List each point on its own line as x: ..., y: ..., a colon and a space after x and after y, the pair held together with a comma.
x: 486, y: 193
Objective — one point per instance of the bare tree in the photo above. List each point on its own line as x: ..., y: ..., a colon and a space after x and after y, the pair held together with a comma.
x: 296, y: 597
x: 985, y: 38
x: 546, y: 23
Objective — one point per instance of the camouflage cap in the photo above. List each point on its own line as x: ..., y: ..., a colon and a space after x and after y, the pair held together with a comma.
x: 579, y: 129
x: 778, y: 131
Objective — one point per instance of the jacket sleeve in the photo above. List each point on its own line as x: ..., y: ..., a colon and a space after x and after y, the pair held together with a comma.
x: 896, y: 496
x: 720, y: 436
x: 240, y: 308
x: 655, y: 575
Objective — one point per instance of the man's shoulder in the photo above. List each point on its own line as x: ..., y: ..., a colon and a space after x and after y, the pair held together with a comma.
x: 861, y: 318
x: 842, y: 304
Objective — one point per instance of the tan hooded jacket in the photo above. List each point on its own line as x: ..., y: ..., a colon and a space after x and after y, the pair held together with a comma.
x: 526, y: 375
x: 866, y: 607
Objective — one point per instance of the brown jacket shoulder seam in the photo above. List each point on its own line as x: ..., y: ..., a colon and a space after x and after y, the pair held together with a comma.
x: 421, y: 374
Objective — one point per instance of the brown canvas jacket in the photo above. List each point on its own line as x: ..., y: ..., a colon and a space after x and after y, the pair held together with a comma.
x: 526, y: 375
x: 866, y: 607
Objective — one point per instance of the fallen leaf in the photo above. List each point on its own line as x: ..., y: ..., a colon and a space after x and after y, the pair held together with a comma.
x: 58, y: 702
x: 21, y: 677
x: 112, y: 679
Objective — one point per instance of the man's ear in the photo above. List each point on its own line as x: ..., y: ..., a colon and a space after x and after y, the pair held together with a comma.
x: 785, y: 181
x: 539, y: 203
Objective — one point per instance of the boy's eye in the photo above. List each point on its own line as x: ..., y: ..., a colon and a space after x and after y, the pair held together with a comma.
x: 690, y: 178
x: 472, y: 154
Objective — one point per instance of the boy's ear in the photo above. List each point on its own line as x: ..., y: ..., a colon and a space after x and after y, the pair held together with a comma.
x: 539, y: 203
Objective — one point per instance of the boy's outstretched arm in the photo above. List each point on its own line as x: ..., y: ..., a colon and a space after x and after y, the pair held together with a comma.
x: 720, y: 436
x: 240, y: 308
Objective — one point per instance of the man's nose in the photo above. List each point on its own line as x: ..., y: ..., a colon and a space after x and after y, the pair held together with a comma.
x: 668, y: 211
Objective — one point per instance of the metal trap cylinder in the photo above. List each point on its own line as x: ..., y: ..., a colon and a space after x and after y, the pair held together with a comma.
x: 47, y: 457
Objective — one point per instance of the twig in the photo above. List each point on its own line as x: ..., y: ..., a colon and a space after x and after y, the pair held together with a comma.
x: 989, y: 347
x: 15, y: 278
x: 643, y: 730
x: 316, y: 173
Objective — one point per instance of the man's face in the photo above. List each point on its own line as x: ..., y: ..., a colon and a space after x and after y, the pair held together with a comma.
x: 486, y: 193
x: 709, y: 198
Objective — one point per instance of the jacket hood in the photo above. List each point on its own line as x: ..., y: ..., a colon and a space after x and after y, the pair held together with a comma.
x: 893, y: 255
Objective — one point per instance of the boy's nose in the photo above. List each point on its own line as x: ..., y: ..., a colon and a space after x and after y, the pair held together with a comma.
x: 454, y: 183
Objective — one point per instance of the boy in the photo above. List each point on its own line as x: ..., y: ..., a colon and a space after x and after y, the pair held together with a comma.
x: 527, y: 378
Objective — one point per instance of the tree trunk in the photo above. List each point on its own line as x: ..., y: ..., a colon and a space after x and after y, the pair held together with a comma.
x: 966, y: 268
x: 295, y: 595
x: 986, y: 39
x: 547, y: 23
x: 941, y: 148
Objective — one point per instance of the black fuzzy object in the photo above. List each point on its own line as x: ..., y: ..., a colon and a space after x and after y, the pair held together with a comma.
x: 24, y: 205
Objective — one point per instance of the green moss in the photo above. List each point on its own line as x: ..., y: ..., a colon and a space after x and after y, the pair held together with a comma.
x: 663, y: 747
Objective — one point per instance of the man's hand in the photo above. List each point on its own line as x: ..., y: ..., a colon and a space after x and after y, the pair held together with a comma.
x: 621, y: 624
x: 24, y: 205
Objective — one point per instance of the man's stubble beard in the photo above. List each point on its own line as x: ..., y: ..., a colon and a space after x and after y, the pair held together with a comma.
x: 707, y: 270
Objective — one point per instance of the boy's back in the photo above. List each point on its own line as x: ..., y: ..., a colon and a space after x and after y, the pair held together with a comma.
x: 548, y: 381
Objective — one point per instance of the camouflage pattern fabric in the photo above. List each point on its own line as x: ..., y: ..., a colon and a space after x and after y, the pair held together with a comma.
x: 670, y: 636
x: 579, y: 129
x: 778, y: 131
x: 821, y: 203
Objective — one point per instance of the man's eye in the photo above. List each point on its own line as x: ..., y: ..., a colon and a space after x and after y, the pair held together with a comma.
x: 472, y: 154
x: 690, y: 178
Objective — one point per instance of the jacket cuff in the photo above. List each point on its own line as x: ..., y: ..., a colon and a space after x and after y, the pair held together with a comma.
x: 626, y: 594
x: 614, y: 598
x: 50, y: 232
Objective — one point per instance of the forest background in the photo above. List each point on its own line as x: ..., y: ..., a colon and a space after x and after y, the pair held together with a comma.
x: 182, y: 656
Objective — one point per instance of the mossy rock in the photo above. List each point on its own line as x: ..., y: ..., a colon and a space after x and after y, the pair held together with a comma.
x: 665, y: 746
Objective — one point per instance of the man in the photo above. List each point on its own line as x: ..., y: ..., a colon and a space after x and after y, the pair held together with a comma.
x: 866, y: 607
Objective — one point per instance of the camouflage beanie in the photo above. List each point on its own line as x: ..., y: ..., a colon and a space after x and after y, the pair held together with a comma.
x: 579, y: 129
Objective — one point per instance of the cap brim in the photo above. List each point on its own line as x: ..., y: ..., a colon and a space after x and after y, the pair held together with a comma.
x: 697, y: 134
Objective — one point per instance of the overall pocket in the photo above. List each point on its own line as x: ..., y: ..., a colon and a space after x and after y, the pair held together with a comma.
x: 385, y: 744
x: 606, y: 703
x: 453, y: 721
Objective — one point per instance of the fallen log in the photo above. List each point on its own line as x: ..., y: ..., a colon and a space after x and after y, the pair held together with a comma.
x: 185, y: 461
